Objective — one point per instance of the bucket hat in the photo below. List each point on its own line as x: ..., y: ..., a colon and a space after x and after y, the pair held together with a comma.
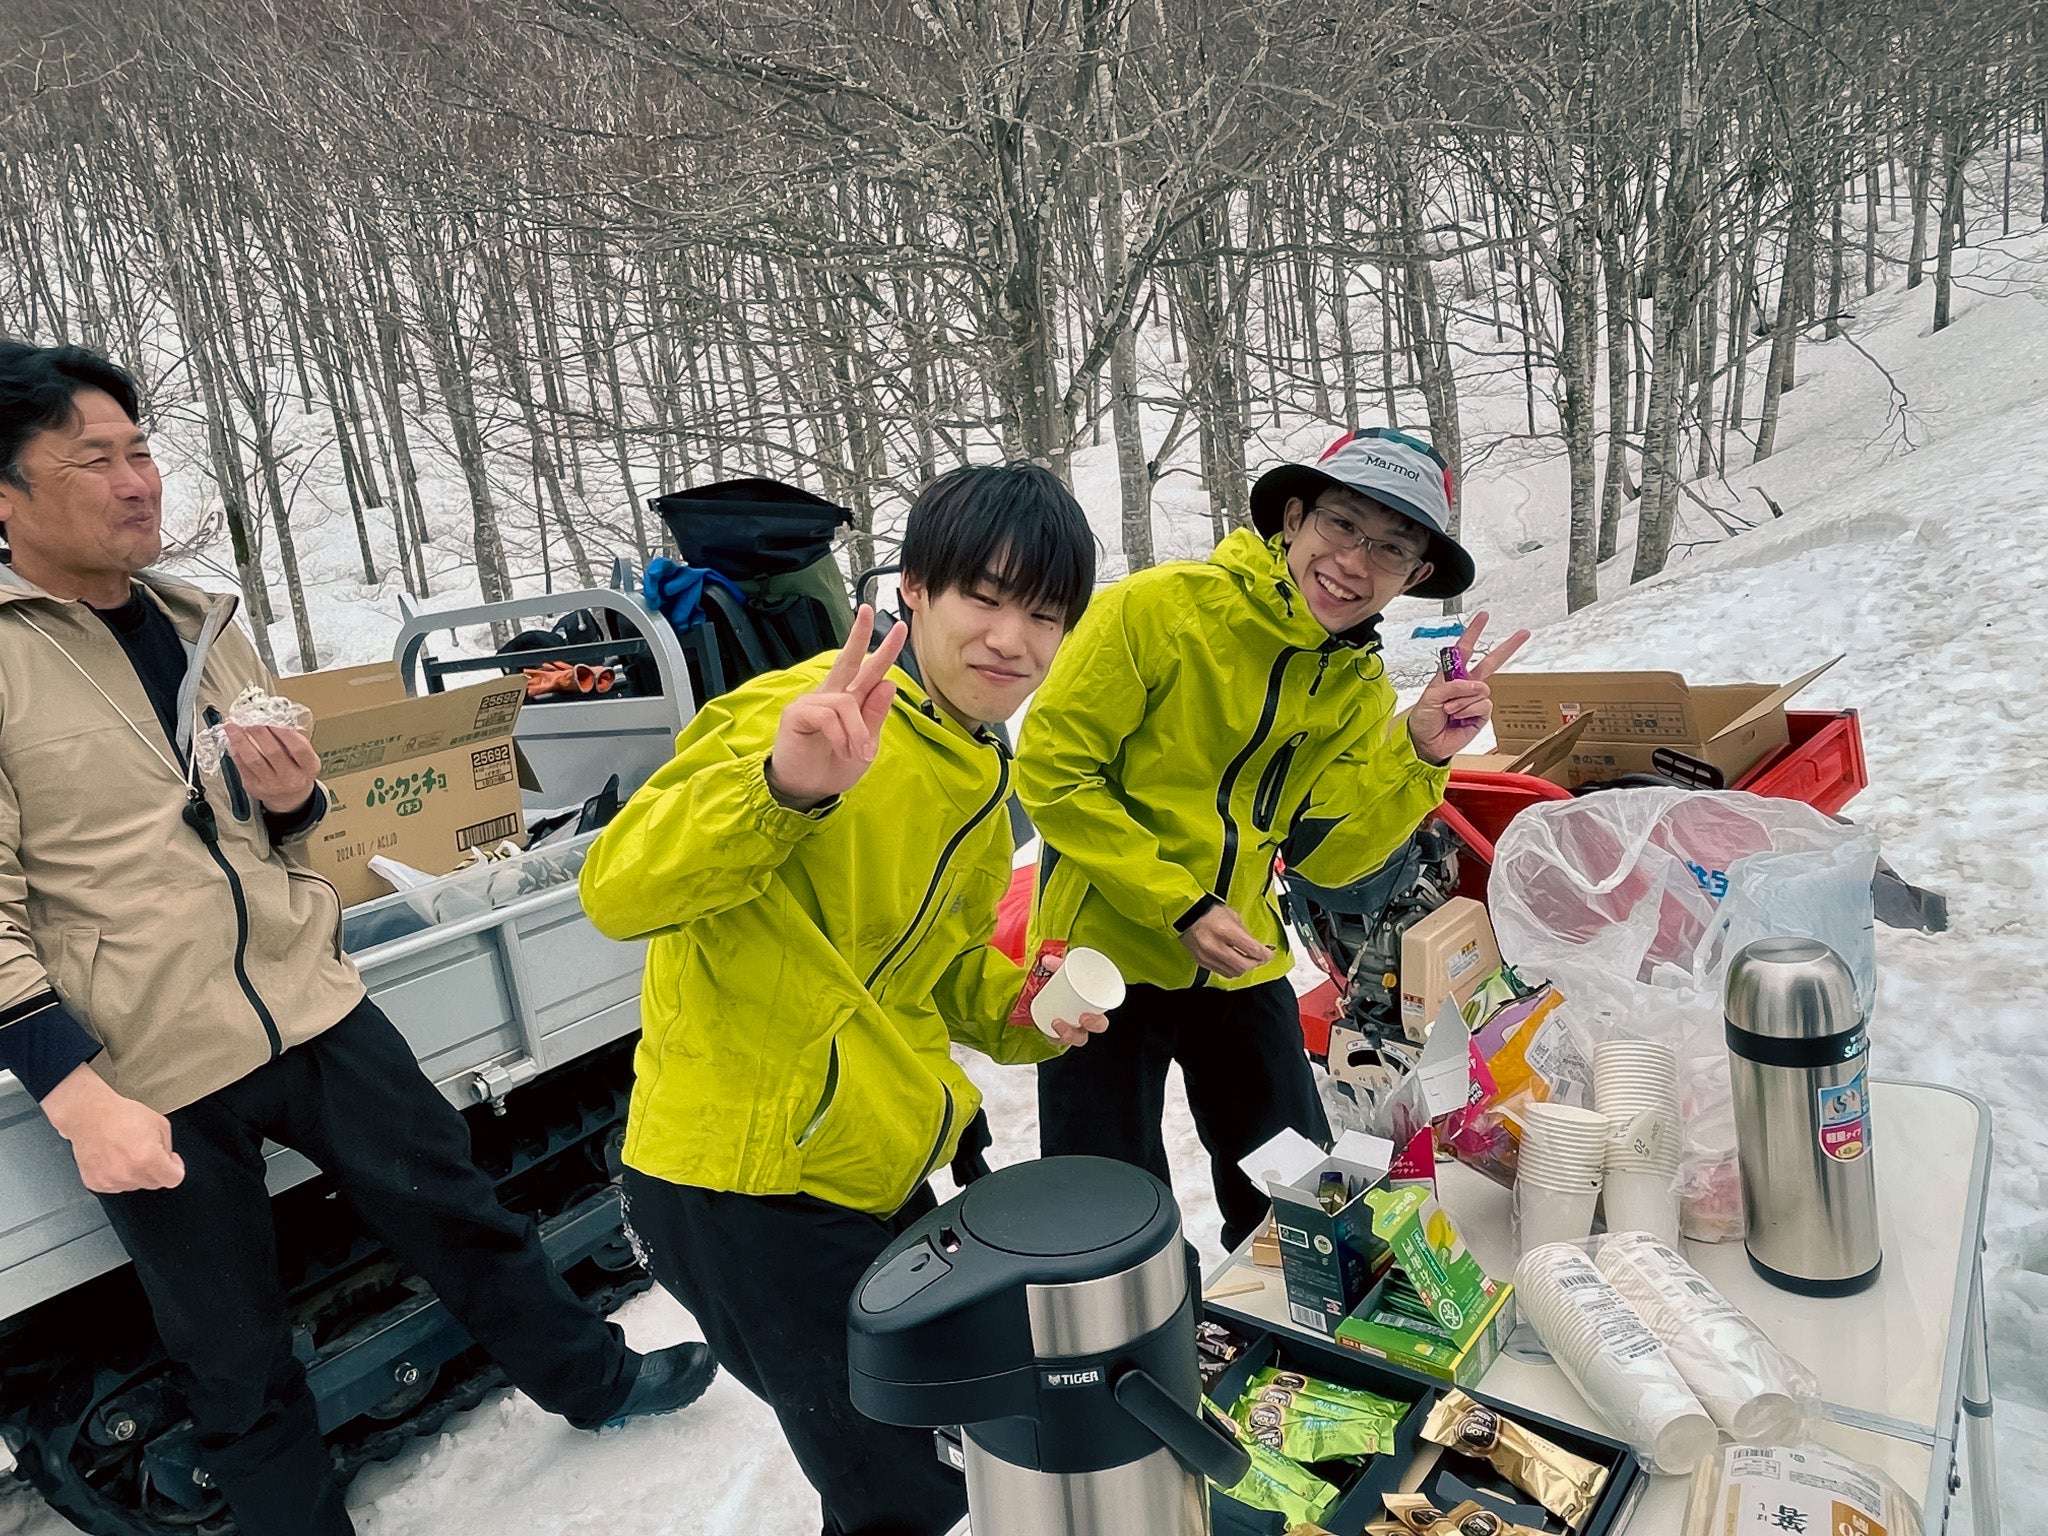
x: 1402, y: 473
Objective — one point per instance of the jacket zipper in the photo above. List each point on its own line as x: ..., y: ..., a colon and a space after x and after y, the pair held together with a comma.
x: 938, y: 1146
x: 931, y: 890
x: 1227, y: 865
x: 824, y: 1099
x: 199, y: 816
x: 1266, y: 801
x: 238, y: 797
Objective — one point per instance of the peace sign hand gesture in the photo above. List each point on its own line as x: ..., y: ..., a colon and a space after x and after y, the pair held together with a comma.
x: 827, y: 737
x: 1452, y: 710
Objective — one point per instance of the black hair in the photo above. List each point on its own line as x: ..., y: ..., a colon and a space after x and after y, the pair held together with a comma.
x: 37, y: 388
x: 1015, y: 524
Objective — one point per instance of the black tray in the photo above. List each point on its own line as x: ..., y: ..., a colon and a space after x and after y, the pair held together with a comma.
x: 1360, y: 1500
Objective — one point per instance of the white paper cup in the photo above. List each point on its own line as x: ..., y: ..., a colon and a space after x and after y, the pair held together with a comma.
x: 1769, y: 1418
x: 1088, y: 982
x: 1641, y: 1202
x: 1553, y: 1216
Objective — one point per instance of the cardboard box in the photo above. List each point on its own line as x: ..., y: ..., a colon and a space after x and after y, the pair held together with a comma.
x: 1428, y: 1248
x: 1448, y: 954
x: 1645, y: 722
x: 421, y: 781
x: 1472, y: 1312
x: 1435, y: 1353
x: 1548, y: 757
x: 1329, y: 1260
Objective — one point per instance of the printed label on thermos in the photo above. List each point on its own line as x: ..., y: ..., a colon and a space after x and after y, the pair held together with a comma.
x: 1845, y: 1120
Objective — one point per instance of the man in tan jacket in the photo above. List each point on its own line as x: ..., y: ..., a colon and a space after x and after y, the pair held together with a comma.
x: 172, y: 983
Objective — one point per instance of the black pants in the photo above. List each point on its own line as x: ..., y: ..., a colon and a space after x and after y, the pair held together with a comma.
x: 768, y: 1278
x: 352, y: 1100
x: 1247, y: 1077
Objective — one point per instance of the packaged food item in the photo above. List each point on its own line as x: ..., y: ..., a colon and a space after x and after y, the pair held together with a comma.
x: 1434, y: 1257
x: 1035, y: 980
x: 1566, y: 1485
x: 1273, y: 1482
x: 252, y: 707
x: 1751, y: 1490
x: 1215, y: 1348
x: 1470, y: 1519
x: 1309, y: 1420
x: 1413, y: 1513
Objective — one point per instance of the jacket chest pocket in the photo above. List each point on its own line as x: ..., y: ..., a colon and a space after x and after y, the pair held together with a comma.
x: 1268, y: 798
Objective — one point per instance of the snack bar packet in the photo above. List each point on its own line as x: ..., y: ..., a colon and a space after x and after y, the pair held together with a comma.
x: 1566, y: 1485
x: 1273, y: 1482
x: 1357, y: 1399
x: 1308, y: 1420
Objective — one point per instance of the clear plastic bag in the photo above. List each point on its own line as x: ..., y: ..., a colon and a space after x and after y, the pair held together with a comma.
x: 252, y: 708
x: 1634, y: 902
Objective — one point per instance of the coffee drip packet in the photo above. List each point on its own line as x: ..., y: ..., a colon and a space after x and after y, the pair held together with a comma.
x: 1566, y: 1485
x: 1414, y: 1515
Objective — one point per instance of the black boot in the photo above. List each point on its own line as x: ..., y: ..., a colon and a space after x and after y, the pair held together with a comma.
x: 669, y: 1379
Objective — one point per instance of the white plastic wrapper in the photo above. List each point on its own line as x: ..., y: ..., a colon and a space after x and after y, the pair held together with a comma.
x: 1634, y: 902
x: 254, y: 707
x: 1609, y: 1353
x: 1766, y: 1490
x: 1754, y: 1390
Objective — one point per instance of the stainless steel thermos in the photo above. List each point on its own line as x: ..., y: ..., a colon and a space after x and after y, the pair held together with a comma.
x: 1799, y: 1051
x: 1048, y: 1312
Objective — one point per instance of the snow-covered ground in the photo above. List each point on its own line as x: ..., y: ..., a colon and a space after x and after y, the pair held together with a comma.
x: 1919, y: 548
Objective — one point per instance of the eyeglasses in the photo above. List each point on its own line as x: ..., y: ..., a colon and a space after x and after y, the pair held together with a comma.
x: 1341, y: 531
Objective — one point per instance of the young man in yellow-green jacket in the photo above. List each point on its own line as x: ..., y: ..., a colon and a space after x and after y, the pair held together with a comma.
x: 1204, y: 718
x: 817, y: 872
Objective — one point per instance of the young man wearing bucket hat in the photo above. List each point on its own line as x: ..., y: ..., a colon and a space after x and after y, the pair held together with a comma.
x: 1202, y: 719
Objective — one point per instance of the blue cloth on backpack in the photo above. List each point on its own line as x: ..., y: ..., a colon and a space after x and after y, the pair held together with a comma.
x: 676, y: 591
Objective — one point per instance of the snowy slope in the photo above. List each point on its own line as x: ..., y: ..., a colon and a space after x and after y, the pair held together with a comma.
x: 1926, y: 565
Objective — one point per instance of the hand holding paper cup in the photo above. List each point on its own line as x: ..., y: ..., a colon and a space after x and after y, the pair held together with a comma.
x: 1083, y: 982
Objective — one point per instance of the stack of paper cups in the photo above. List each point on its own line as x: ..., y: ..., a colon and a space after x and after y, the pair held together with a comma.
x: 1618, y: 1365
x: 1557, y: 1181
x: 1635, y: 1085
x: 1750, y: 1386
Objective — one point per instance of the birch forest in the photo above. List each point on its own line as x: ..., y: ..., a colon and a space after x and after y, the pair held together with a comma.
x: 587, y: 251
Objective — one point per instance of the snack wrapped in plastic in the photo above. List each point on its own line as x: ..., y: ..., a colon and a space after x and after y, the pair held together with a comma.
x: 1414, y: 1513
x: 1273, y: 1482
x: 1308, y: 1420
x: 1744, y: 1488
x: 251, y: 708
x: 1565, y: 1484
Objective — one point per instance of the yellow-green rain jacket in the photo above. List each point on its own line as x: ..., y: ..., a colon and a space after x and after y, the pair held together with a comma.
x: 1198, y: 720
x: 806, y: 974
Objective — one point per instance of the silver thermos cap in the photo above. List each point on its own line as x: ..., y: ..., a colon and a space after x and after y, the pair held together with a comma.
x: 1791, y: 989
x: 1798, y: 1058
